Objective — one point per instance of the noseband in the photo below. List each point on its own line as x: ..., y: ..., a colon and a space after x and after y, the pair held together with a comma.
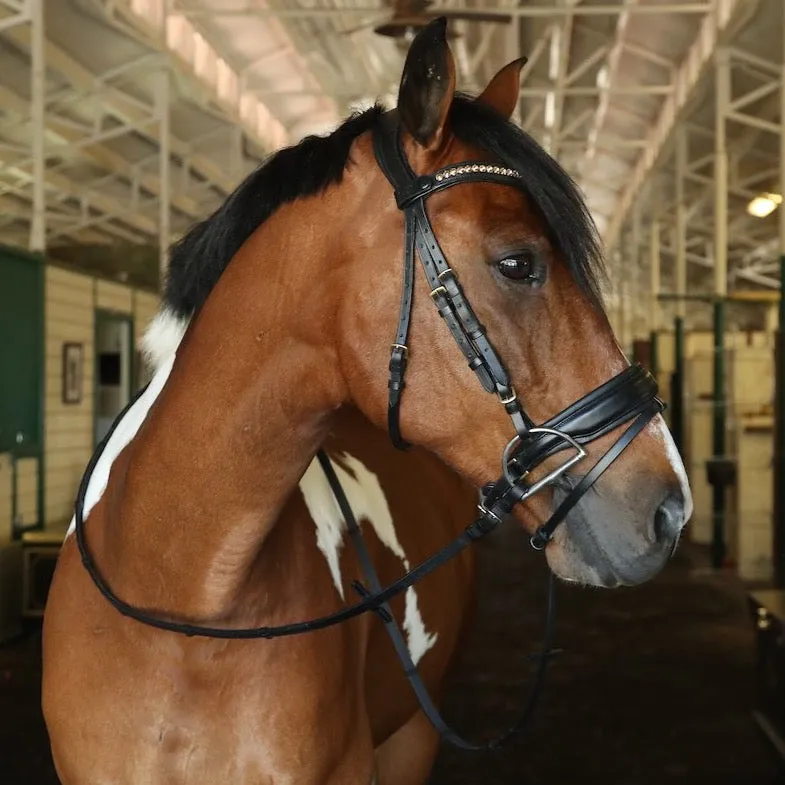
x: 630, y: 396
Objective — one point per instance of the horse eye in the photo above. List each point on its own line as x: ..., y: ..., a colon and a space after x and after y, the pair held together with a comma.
x: 521, y: 267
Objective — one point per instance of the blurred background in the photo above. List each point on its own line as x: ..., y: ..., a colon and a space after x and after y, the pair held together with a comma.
x: 122, y: 122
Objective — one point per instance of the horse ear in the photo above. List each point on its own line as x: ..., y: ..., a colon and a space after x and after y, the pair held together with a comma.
x: 503, y: 90
x: 427, y: 85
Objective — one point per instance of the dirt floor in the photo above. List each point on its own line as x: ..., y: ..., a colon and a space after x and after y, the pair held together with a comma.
x: 655, y: 685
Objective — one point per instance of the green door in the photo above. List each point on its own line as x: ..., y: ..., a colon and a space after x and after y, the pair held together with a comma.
x: 22, y: 360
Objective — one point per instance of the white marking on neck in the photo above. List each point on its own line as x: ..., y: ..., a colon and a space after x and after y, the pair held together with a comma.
x: 367, y: 500
x: 159, y: 344
x: 366, y: 497
x: 161, y: 339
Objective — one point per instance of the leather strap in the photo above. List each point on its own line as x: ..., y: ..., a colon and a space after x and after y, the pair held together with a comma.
x: 399, y: 352
x: 490, y: 516
x: 543, y: 535
x: 601, y: 411
x: 402, y: 650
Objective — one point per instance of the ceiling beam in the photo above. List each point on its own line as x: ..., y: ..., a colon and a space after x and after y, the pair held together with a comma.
x: 96, y: 154
x: 539, y: 11
x: 558, y: 67
x: 685, y: 83
x: 125, y: 108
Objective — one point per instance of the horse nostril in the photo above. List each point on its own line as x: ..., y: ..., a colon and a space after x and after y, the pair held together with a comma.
x: 669, y: 518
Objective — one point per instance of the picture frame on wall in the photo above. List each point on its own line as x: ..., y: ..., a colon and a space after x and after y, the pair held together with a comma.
x: 73, y: 372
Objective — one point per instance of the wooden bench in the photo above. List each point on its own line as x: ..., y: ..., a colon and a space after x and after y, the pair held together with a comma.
x: 768, y: 611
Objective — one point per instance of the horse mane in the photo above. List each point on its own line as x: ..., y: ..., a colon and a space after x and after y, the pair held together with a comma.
x: 199, y: 257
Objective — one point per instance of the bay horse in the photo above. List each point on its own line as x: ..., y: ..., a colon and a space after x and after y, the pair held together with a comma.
x: 205, y: 509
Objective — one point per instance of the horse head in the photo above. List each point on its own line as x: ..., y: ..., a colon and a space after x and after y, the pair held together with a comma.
x: 513, y: 264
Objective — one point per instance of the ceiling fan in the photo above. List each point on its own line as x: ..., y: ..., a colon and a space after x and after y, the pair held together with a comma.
x: 410, y: 16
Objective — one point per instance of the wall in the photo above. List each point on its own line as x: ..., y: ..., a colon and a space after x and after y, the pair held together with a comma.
x: 6, y: 503
x: 749, y: 386
x: 70, y: 302
x: 68, y: 427
x: 754, y: 437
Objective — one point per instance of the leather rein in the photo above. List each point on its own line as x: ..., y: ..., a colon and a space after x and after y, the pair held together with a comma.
x: 630, y: 396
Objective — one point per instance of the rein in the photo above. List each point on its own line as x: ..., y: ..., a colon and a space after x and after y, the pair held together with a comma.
x: 629, y: 397
x: 481, y: 526
x: 402, y: 650
x: 376, y: 599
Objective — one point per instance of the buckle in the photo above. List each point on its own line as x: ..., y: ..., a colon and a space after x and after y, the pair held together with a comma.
x: 540, y: 539
x: 399, y: 355
x: 554, y: 474
x: 510, y: 398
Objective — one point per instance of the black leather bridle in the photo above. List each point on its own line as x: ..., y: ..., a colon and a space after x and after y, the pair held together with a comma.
x: 631, y: 396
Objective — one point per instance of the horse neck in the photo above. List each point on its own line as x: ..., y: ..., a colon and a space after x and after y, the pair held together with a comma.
x: 192, y: 499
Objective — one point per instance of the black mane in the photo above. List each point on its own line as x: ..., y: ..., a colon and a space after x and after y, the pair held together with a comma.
x: 201, y: 255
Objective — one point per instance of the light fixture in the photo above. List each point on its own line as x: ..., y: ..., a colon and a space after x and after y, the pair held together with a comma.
x: 550, y: 109
x: 764, y: 204
x: 555, y: 54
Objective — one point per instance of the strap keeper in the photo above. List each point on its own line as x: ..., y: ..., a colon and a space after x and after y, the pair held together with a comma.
x: 398, y: 360
x: 476, y: 362
x: 419, y: 188
x: 513, y: 407
x: 486, y: 523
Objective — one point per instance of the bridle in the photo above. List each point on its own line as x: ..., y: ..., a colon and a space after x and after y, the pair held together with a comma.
x: 630, y: 396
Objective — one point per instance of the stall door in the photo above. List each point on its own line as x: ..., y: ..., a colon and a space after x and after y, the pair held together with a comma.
x: 114, y: 349
x: 21, y: 381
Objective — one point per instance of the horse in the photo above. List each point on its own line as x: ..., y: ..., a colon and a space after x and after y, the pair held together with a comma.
x: 206, y: 512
